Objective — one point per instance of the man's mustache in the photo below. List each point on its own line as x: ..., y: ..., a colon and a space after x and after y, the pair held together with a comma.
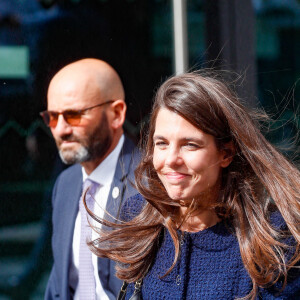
x: 68, y: 138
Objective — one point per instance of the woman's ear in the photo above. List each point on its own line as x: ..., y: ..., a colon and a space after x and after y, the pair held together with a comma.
x: 118, y: 113
x: 228, y: 152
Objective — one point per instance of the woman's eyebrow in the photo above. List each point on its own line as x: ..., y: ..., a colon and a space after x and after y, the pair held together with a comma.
x: 158, y: 137
x: 184, y: 139
x: 193, y: 139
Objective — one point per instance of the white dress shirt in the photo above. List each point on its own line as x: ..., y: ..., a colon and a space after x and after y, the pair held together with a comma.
x: 103, y: 175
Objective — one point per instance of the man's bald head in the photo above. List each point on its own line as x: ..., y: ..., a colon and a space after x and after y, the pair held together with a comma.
x: 92, y: 89
x: 91, y: 71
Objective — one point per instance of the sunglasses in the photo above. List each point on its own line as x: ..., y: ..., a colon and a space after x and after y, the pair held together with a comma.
x: 72, y: 117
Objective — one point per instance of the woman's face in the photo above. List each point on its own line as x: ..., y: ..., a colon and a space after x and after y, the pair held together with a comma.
x: 185, y: 158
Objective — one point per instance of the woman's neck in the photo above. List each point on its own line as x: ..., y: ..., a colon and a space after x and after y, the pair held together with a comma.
x: 199, y: 220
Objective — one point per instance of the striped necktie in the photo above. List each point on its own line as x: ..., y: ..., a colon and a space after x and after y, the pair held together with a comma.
x: 87, y: 284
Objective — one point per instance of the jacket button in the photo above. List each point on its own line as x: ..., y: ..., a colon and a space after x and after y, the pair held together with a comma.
x: 178, y: 280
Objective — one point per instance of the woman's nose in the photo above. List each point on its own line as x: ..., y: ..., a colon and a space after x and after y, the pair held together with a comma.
x: 173, y: 157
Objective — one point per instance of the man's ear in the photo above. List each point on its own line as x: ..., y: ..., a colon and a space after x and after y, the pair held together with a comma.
x: 118, y: 113
x: 228, y: 152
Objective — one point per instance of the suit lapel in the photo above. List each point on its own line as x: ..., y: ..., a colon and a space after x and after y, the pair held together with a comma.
x: 69, y: 207
x: 121, y: 180
x: 116, y: 196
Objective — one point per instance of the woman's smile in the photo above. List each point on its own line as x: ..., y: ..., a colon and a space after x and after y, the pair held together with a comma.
x: 175, y: 176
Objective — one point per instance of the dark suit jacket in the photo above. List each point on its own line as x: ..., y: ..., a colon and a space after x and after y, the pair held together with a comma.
x: 65, y: 201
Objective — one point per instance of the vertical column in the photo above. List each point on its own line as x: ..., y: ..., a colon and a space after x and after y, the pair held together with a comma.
x: 230, y: 36
x: 180, y: 36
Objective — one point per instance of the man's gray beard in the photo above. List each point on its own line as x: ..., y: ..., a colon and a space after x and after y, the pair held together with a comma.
x: 70, y: 157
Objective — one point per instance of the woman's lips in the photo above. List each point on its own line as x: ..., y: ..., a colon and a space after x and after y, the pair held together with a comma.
x: 175, y: 175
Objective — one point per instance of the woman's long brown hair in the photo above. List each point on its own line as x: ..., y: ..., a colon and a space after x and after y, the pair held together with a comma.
x: 258, y: 181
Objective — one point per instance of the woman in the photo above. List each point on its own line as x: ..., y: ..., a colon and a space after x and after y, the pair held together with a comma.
x: 218, y: 212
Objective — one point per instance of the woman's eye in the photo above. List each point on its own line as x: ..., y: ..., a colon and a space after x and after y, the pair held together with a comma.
x: 192, y: 146
x: 160, y: 143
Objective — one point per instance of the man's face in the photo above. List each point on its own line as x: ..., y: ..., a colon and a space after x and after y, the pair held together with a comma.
x: 89, y: 140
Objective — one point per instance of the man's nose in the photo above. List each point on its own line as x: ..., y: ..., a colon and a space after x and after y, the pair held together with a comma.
x: 62, y: 127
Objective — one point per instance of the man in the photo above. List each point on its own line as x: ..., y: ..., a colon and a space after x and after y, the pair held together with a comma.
x: 86, y: 111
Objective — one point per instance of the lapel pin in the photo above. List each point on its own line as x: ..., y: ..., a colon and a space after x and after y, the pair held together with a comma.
x: 115, y: 192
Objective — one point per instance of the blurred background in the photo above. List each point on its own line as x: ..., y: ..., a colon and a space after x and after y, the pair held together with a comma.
x: 259, y: 39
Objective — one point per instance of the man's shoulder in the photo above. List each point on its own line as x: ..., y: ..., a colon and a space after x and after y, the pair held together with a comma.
x: 71, y: 173
x: 128, y: 160
x: 74, y: 169
x: 68, y: 184
x: 129, y: 149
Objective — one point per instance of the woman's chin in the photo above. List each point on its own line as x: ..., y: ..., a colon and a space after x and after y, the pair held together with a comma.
x: 181, y: 198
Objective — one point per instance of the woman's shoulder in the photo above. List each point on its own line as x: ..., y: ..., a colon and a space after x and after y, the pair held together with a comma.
x: 279, y: 224
x: 132, y: 207
x: 277, y: 220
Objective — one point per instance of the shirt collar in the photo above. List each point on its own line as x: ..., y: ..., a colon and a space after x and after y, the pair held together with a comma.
x: 105, y: 171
